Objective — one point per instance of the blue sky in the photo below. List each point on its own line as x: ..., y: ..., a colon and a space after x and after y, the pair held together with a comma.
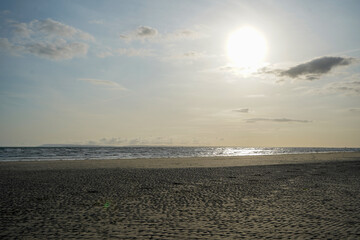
x: 158, y: 73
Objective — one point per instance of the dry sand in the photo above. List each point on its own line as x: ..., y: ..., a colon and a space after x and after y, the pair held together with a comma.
x: 275, y: 197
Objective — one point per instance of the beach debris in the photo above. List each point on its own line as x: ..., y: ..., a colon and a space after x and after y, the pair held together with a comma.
x: 106, y: 205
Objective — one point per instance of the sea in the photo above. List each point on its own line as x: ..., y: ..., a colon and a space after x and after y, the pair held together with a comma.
x: 93, y: 153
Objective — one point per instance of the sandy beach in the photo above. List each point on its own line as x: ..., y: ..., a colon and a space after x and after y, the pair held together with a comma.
x: 309, y: 196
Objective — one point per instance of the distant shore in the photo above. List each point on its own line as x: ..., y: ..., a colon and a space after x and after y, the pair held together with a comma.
x: 281, y: 196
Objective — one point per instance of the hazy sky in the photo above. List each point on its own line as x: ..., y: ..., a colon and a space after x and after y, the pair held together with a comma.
x: 159, y: 73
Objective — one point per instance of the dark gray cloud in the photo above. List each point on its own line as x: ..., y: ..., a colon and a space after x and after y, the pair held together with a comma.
x: 279, y: 120
x: 144, y: 31
x: 315, y: 68
x: 241, y: 110
x: 311, y: 70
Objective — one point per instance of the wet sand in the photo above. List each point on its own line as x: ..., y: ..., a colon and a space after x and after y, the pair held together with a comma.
x: 275, y: 197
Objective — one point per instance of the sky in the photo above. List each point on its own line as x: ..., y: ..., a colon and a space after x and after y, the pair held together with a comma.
x: 158, y: 72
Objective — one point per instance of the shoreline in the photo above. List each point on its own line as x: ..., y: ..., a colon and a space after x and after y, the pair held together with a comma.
x: 187, y: 162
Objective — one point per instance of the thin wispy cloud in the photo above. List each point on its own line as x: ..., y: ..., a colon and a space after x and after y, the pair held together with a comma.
x: 345, y: 88
x: 241, y: 110
x: 5, y: 12
x: 255, y: 96
x: 146, y: 33
x: 120, y: 141
x: 104, y: 54
x: 182, y: 34
x: 354, y: 110
x: 107, y: 83
x: 193, y: 54
x: 97, y: 22
x: 189, y: 55
x: 112, y: 141
x: 278, y: 120
x: 349, y: 88
x: 130, y: 52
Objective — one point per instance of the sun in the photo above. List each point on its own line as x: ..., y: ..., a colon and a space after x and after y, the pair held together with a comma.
x: 246, y: 48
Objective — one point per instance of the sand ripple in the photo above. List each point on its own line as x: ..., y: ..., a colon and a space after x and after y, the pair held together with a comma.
x: 317, y: 201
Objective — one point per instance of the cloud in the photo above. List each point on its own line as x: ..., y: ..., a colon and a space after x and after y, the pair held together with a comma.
x: 241, y: 110
x: 279, y: 120
x: 57, y: 51
x: 5, y: 12
x: 112, y: 141
x: 144, y: 31
x: 150, y: 141
x: 313, y: 69
x: 107, y: 83
x: 141, y: 33
x: 119, y: 141
x: 105, y: 54
x: 96, y: 21
x: 21, y: 29
x: 152, y: 34
x: 7, y: 46
x: 47, y: 39
x: 131, y: 52
x: 51, y: 27
x: 54, y: 28
x: 182, y: 34
x: 54, y: 51
x: 354, y: 110
x: 228, y: 70
x: 346, y: 88
x: 190, y: 55
x: 255, y: 96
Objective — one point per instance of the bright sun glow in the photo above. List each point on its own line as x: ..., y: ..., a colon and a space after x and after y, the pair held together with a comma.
x: 246, y: 48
